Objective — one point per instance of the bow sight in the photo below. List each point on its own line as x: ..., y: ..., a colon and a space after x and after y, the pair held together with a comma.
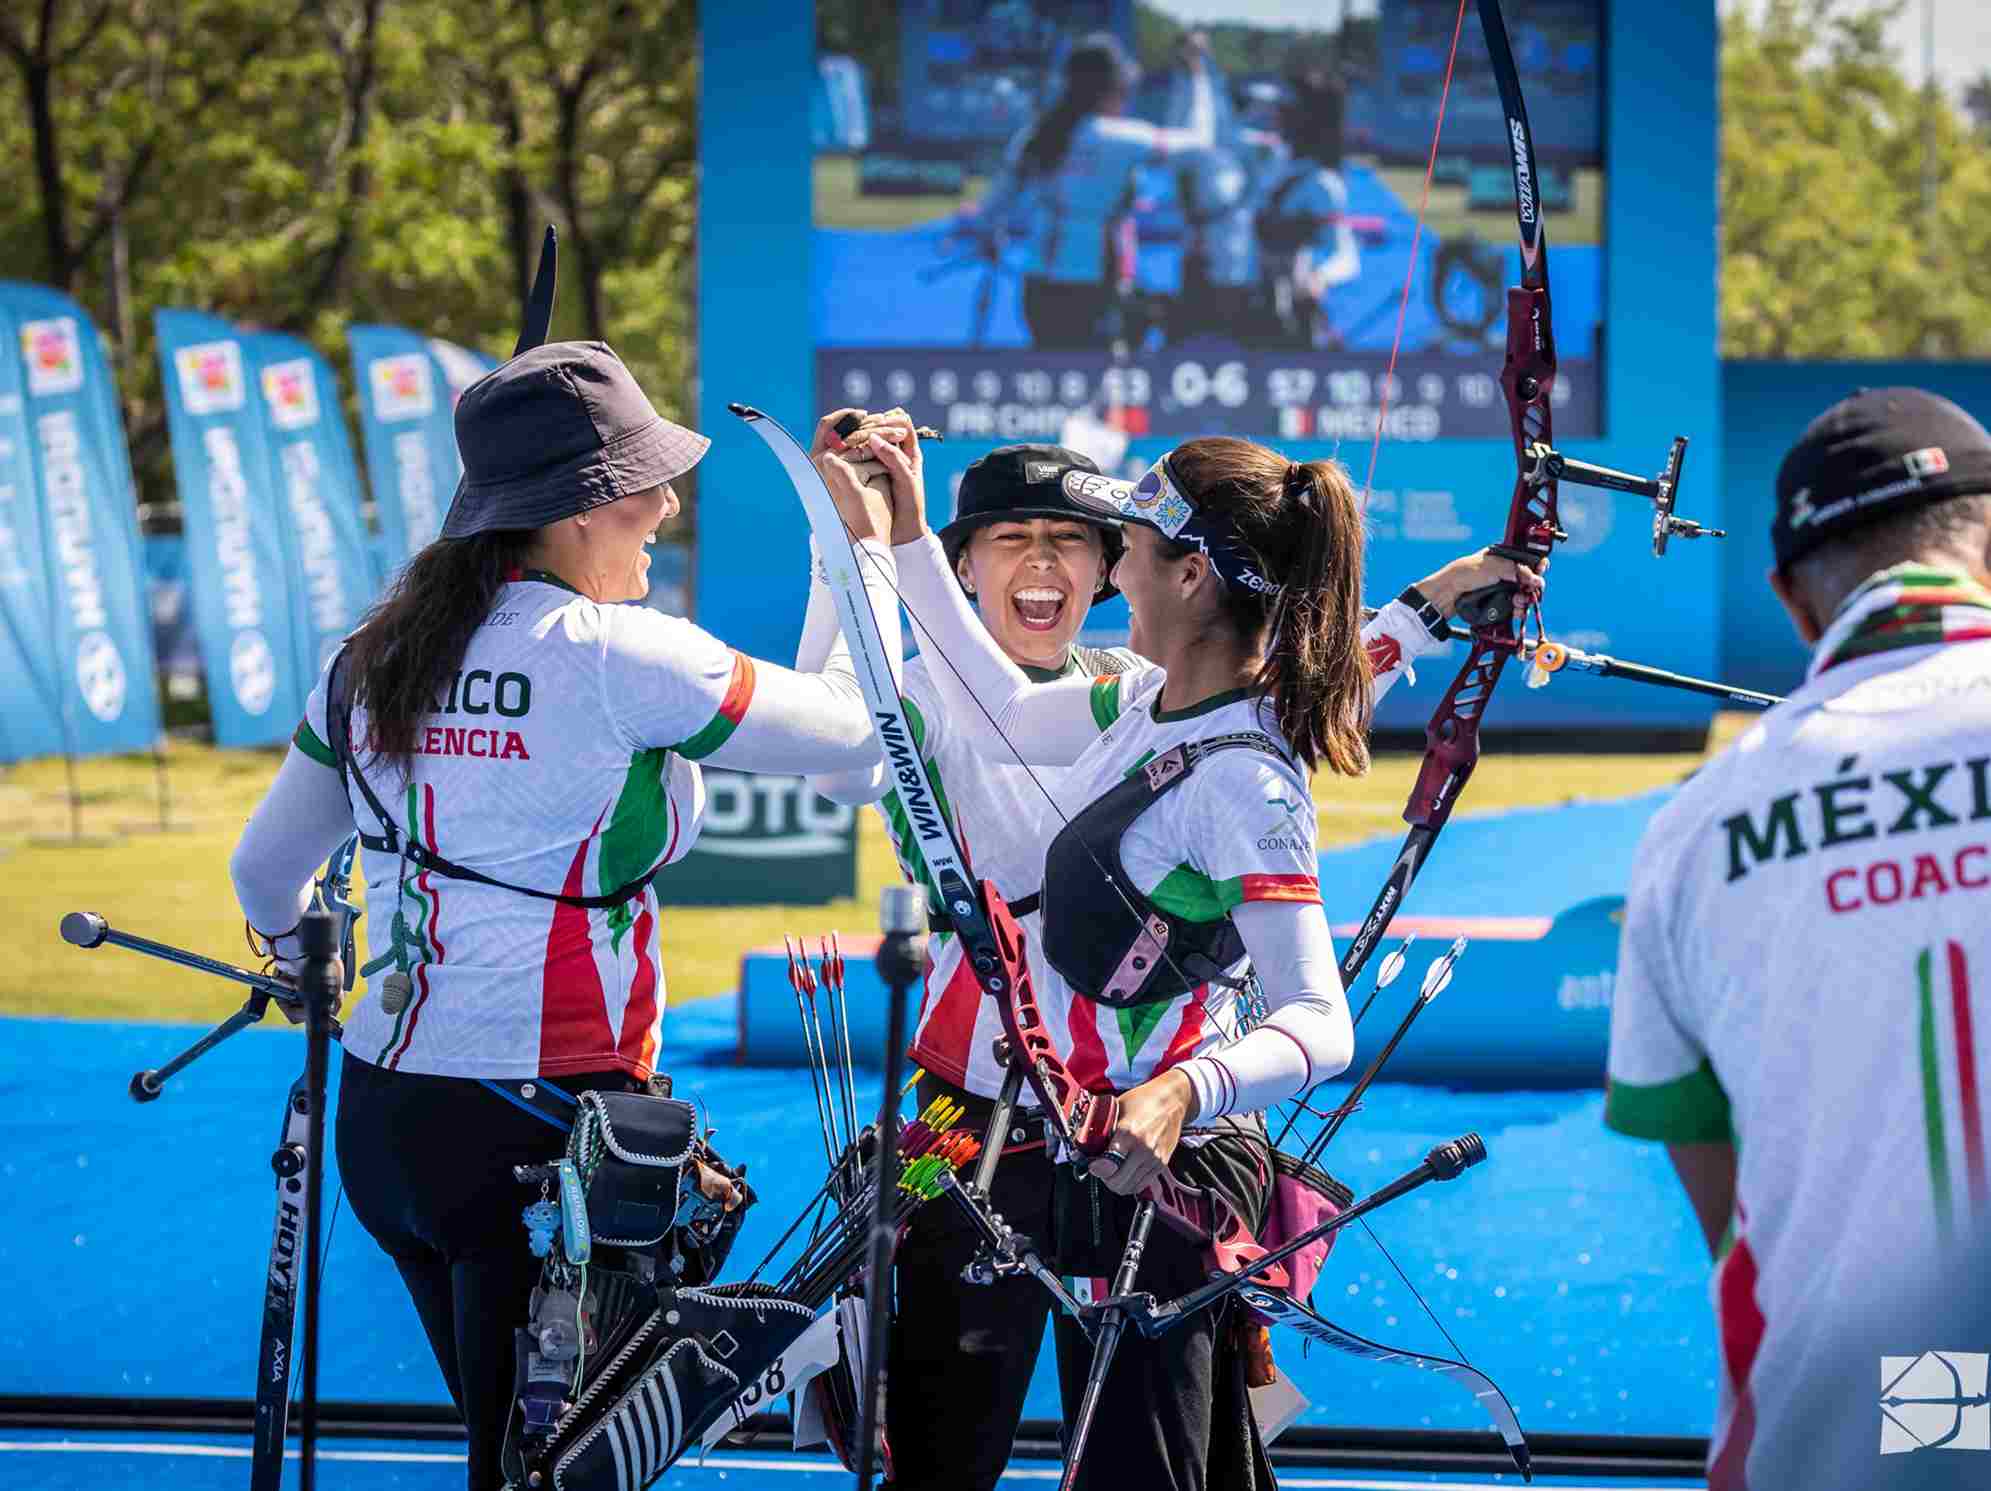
x: 1544, y: 464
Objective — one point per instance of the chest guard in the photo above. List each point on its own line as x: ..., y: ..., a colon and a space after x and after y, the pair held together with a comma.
x: 1101, y: 932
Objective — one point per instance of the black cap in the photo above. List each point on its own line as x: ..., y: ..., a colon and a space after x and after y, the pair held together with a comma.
x: 1014, y: 483
x: 1876, y: 454
x: 555, y: 431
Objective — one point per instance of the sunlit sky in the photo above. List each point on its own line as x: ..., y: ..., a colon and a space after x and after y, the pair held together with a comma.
x: 1962, y: 38
x: 1962, y: 27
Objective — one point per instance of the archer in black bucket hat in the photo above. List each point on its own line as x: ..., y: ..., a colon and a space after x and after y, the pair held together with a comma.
x: 1015, y: 483
x: 556, y: 431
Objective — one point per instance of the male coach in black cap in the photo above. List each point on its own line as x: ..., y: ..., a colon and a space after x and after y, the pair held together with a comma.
x: 1802, y: 1011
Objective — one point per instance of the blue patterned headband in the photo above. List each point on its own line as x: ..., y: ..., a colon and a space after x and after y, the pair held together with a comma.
x: 1156, y: 501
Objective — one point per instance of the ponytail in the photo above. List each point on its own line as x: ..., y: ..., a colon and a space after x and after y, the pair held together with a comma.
x: 405, y: 654
x: 1316, y: 669
x: 1302, y: 524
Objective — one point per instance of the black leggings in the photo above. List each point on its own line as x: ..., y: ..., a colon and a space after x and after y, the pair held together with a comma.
x: 426, y: 1163
x: 1175, y: 1415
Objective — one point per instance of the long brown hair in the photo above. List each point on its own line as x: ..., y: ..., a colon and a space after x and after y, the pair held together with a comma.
x: 401, y: 660
x: 1303, y: 525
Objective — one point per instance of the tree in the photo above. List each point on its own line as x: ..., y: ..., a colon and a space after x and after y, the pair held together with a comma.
x: 311, y: 163
x: 1855, y: 207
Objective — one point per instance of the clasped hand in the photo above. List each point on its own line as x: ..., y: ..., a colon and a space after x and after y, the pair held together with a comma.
x: 876, y: 474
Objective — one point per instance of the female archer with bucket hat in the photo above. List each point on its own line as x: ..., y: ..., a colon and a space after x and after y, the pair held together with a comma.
x: 1033, y: 562
x: 519, y: 752
x: 1031, y: 545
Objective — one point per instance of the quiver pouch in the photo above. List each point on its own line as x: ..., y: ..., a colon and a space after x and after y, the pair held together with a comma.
x: 1303, y: 1196
x: 634, y: 1154
x: 681, y: 1368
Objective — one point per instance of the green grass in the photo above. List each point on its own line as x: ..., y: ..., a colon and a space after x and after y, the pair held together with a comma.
x: 1447, y: 215
x: 838, y: 203
x: 174, y: 886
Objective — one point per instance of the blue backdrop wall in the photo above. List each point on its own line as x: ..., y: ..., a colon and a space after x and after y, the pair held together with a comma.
x: 1768, y: 405
x: 1661, y: 374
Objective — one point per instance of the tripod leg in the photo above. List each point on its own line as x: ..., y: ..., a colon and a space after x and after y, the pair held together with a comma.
x: 280, y: 1286
x: 1107, y: 1342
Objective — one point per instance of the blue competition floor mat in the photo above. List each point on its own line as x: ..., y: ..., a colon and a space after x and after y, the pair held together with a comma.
x: 1568, y: 1267
x: 76, y: 1462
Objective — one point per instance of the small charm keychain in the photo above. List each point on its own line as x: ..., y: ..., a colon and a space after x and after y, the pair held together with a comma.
x: 542, y: 1221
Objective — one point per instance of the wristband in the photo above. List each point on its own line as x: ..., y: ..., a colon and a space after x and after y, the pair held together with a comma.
x: 1427, y: 613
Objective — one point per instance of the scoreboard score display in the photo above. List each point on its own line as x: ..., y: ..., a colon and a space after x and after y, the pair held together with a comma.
x: 1258, y: 395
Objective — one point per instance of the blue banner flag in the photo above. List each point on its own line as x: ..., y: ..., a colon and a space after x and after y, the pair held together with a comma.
x: 408, y: 388
x: 239, y: 578
x: 318, y: 494
x: 76, y: 668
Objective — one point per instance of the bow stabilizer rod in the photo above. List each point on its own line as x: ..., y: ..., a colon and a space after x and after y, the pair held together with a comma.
x: 538, y: 320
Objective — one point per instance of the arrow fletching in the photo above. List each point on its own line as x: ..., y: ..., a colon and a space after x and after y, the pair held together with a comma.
x: 1393, y: 964
x: 1439, y: 974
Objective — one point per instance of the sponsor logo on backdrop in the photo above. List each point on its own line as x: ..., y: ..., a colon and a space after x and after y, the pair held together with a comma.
x: 770, y: 817
x: 53, y: 352
x: 1586, y: 991
x: 1589, y: 517
x: 317, y: 544
x: 1935, y: 1401
x: 420, y: 516
x: 234, y: 539
x: 100, y: 675
x: 252, y: 671
x: 210, y: 377
x: 290, y: 389
x: 68, y: 495
x: 403, y: 387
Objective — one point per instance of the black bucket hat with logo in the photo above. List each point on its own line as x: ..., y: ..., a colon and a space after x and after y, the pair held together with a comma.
x: 557, y: 430
x: 1015, y: 483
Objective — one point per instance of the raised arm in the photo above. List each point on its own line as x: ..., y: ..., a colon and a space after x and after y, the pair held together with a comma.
x: 672, y: 684
x: 820, y: 637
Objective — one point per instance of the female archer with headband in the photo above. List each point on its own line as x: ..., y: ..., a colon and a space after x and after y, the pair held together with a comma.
x: 1242, y: 571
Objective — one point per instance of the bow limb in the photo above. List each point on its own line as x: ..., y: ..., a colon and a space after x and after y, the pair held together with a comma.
x: 1451, y: 738
x: 1527, y: 376
x: 1282, y: 1309
x: 1085, y: 1120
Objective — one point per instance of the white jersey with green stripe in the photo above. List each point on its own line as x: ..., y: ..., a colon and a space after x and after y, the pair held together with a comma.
x: 1240, y: 829
x: 563, y: 759
x: 1806, y: 971
x: 1003, y: 818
